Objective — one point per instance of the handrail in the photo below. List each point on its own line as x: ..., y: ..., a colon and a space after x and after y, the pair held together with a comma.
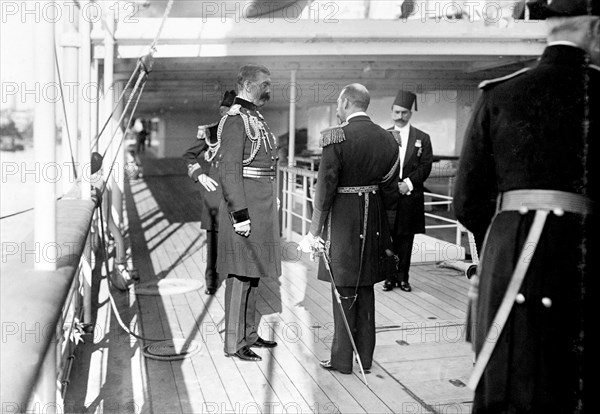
x: 292, y: 192
x: 297, y: 186
x: 36, y: 308
x: 453, y: 223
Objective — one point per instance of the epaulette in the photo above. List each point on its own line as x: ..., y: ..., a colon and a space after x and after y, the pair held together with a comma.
x: 333, y: 135
x: 204, y: 130
x: 235, y: 110
x: 489, y: 82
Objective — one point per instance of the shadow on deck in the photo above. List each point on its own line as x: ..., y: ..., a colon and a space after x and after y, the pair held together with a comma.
x: 421, y: 360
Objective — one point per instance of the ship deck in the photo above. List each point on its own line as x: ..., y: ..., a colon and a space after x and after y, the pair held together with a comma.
x: 421, y: 361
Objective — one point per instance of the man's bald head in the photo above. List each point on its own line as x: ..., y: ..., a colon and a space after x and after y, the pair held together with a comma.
x: 358, y: 95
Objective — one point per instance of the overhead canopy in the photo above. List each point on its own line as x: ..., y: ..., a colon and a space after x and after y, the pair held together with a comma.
x: 197, y: 58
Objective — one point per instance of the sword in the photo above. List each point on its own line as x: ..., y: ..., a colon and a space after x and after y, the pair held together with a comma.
x: 339, y: 302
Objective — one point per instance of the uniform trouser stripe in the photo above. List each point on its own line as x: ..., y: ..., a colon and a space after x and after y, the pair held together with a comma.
x: 240, y: 309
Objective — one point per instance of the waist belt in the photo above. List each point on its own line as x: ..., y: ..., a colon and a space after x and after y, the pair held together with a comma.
x: 552, y: 200
x: 358, y: 190
x: 257, y: 172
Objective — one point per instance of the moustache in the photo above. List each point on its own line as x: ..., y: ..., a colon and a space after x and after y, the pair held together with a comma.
x: 265, y: 96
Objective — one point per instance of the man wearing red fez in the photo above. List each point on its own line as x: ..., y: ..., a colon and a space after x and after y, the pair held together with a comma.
x: 416, y: 156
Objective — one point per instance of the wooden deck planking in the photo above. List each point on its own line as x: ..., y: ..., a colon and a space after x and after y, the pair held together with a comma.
x: 161, y: 380
x: 288, y: 293
x: 413, y: 363
x: 241, y: 387
x: 319, y: 292
x: 305, y: 347
x: 189, y: 393
x: 353, y: 384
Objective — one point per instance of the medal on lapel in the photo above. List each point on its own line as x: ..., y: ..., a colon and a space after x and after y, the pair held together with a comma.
x: 419, y: 146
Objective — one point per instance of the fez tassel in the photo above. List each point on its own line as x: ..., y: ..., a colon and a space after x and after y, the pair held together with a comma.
x: 509, y: 298
x: 339, y: 302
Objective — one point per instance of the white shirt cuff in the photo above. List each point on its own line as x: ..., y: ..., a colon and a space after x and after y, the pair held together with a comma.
x: 236, y: 226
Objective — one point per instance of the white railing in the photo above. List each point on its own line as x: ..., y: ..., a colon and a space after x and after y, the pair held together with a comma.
x: 445, y: 200
x: 297, y: 190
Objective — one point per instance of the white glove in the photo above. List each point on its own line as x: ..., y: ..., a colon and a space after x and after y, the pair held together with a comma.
x: 202, y: 132
x: 278, y: 204
x: 311, y: 244
x: 207, y: 182
x: 243, y: 228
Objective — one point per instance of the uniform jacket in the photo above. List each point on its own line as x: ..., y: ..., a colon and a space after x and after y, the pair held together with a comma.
x: 410, y: 217
x: 196, y: 165
x: 247, y: 198
x: 528, y: 132
x: 363, y: 155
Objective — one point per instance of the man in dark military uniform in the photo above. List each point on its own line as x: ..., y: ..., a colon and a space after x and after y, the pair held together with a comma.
x: 416, y: 157
x: 199, y: 171
x: 357, y: 183
x: 526, y: 177
x: 249, y: 244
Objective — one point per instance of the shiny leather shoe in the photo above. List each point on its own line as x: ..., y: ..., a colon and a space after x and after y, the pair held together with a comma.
x: 326, y: 365
x: 263, y: 343
x: 387, y: 286
x: 210, y: 291
x: 405, y: 286
x: 245, y: 354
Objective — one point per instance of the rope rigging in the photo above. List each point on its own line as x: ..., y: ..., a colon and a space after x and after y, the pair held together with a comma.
x: 143, y: 69
x: 144, y: 64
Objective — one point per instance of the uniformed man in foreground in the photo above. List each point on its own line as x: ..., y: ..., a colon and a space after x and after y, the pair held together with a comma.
x: 528, y: 177
x: 199, y: 170
x: 357, y: 185
x: 249, y: 246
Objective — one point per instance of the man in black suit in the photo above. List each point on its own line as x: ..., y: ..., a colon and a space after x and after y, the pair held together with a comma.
x: 356, y: 186
x: 199, y: 171
x: 526, y: 178
x: 416, y: 157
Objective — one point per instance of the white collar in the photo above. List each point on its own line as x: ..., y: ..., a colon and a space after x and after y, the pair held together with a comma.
x: 405, y: 128
x: 355, y: 114
x: 563, y: 43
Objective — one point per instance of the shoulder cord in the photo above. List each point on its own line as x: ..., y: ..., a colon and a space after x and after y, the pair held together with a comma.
x: 254, y: 134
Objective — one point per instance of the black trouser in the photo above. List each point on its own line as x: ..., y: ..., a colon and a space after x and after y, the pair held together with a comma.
x: 211, y: 277
x: 361, y: 319
x: 240, y: 312
x: 403, y: 245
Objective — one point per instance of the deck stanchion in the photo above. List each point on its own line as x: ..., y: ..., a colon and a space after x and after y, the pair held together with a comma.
x: 70, y: 44
x: 85, y: 151
x: 291, y: 178
x: 44, y: 144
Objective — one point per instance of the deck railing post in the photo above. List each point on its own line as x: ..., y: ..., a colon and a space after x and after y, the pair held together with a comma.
x: 44, y: 143
x: 291, y: 151
x: 118, y: 151
x: 70, y: 44
x: 85, y: 144
x: 85, y: 150
x: 107, y: 79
